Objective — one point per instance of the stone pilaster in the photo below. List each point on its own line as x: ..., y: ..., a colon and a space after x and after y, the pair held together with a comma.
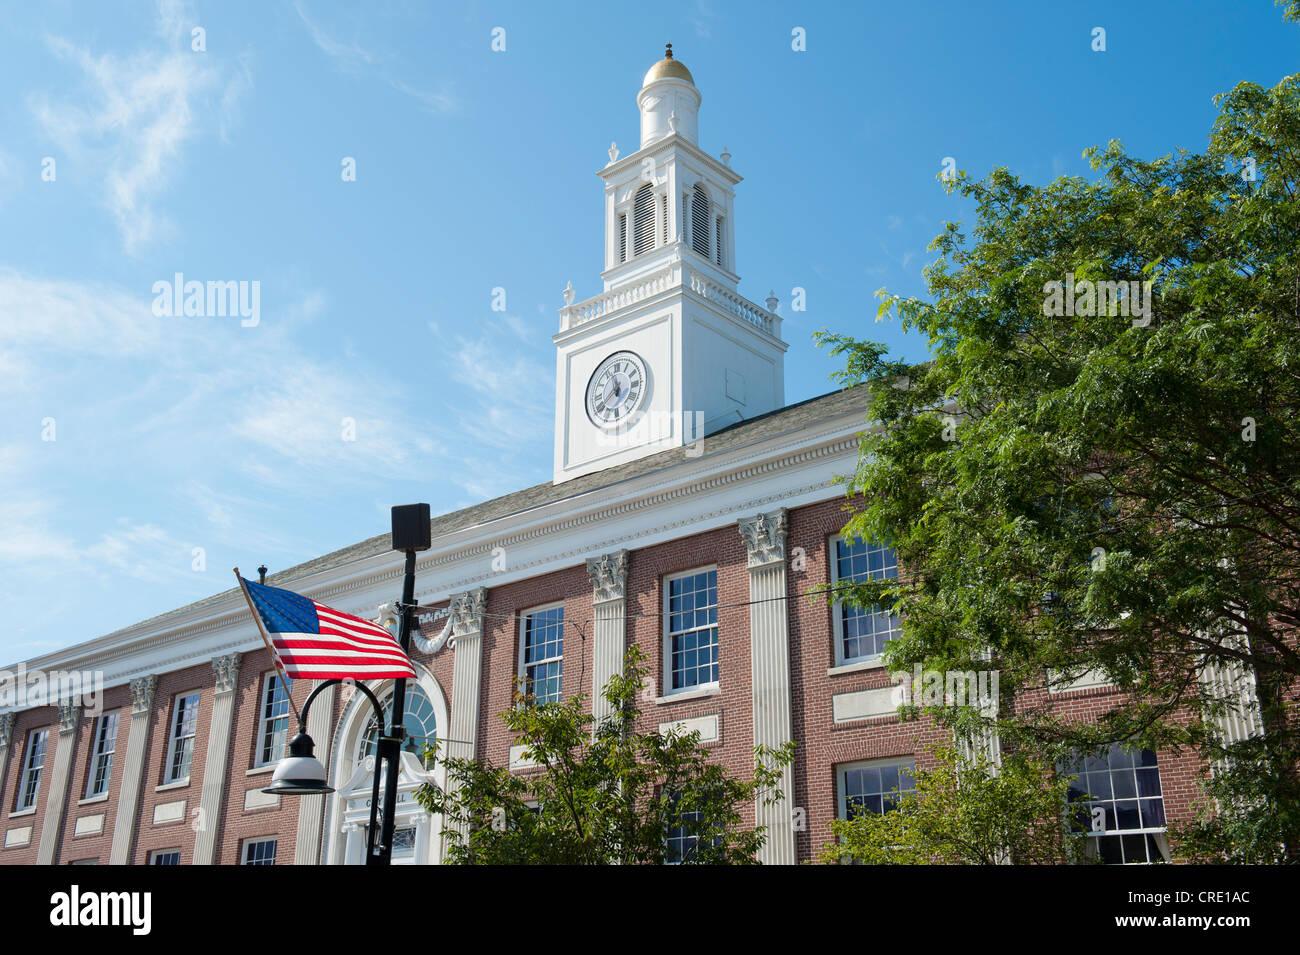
x: 769, y: 641
x: 6, y: 734
x: 225, y: 671
x: 311, y: 811
x: 137, y: 740
x: 56, y: 799
x: 608, y: 575
x: 467, y: 671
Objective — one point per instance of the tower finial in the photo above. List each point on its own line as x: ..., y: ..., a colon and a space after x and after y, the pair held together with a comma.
x: 668, y: 53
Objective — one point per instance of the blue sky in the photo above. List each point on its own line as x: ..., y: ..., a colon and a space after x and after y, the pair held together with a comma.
x: 475, y: 169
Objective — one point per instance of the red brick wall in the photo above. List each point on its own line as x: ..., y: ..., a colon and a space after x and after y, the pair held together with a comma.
x: 116, y: 700
x: 46, y: 717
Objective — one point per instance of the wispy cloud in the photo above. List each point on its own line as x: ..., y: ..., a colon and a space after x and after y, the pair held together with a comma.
x: 351, y: 57
x: 132, y: 116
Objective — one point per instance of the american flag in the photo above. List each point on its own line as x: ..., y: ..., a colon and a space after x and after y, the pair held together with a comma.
x: 316, y: 642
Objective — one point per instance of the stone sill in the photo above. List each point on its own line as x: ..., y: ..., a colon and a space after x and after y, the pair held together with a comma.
x: 698, y: 693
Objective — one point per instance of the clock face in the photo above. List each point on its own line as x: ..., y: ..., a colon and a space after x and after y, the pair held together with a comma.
x: 617, y: 389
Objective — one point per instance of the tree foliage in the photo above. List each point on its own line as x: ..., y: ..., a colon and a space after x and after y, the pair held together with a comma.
x: 1092, y: 491
x: 603, y: 794
x: 964, y: 811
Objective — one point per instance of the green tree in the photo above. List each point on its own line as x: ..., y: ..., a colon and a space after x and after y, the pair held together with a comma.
x: 964, y: 811
x: 607, y: 793
x: 1075, y: 482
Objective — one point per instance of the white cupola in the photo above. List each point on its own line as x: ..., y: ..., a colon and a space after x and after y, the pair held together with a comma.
x: 669, y: 102
x: 670, y: 351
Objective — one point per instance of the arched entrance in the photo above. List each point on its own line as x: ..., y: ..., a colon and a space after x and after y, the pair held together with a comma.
x: 417, y: 834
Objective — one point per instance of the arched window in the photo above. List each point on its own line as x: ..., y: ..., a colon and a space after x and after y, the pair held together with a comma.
x: 420, y: 723
x: 700, y: 221
x: 643, y: 220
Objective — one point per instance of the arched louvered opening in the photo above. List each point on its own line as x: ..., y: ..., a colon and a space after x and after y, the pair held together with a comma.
x: 643, y: 220
x: 700, y: 221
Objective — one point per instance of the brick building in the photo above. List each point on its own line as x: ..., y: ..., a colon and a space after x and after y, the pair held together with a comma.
x: 690, y: 511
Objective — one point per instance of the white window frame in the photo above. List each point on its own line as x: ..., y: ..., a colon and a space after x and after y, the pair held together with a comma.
x: 842, y: 771
x: 837, y: 608
x: 668, y: 634
x: 156, y: 854
x: 264, y: 722
x: 246, y: 849
x: 521, y: 667
x: 31, y: 774
x: 1092, y: 841
x: 98, y: 755
x: 173, y: 736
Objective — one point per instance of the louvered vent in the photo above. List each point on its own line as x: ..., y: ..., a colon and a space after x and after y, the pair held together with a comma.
x: 717, y: 233
x: 665, y: 205
x: 700, y: 222
x: 643, y: 220
x: 622, y: 238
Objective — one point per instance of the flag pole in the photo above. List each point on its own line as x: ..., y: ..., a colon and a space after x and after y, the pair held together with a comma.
x: 257, y: 618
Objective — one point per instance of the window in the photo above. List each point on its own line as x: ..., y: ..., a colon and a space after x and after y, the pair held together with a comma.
x: 165, y: 857
x: 861, y: 633
x: 29, y: 786
x: 683, y: 837
x: 274, y: 727
x: 643, y: 220
x: 180, y: 747
x: 103, y: 744
x: 259, y: 852
x: 874, y: 786
x: 692, y: 639
x: 1117, y: 800
x: 419, y: 721
x: 700, y: 221
x: 541, y: 653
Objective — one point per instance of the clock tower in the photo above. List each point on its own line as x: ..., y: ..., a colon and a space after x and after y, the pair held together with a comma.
x: 669, y: 352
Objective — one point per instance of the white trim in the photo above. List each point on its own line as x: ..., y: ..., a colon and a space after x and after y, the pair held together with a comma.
x: 97, y: 730
x: 666, y: 640
x: 841, y: 663
x: 167, y: 787
x: 691, y: 693
x: 877, y: 663
x: 262, y: 723
x: 520, y: 670
x: 26, y: 770
x: 842, y: 768
x: 173, y: 712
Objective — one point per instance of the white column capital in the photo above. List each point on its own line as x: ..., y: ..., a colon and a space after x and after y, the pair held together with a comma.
x: 142, y: 689
x: 467, y: 611
x: 69, y: 717
x: 226, y: 670
x: 6, y: 728
x: 608, y: 574
x: 764, y: 536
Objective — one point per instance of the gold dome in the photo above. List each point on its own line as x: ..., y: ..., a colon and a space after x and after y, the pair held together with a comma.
x: 668, y: 68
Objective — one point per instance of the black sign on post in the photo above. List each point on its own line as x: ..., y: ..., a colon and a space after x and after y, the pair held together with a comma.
x: 411, y: 530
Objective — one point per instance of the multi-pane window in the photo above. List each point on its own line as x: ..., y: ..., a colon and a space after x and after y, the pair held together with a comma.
x: 692, y: 630
x: 274, y: 725
x: 874, y: 786
x: 682, y: 839
x: 542, y: 653
x: 165, y: 857
x: 29, y: 785
x: 419, y: 721
x: 862, y: 632
x: 104, y: 744
x: 180, y: 744
x: 259, y: 852
x: 1116, y: 798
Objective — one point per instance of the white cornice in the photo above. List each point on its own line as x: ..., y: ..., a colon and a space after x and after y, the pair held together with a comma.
x: 688, y: 497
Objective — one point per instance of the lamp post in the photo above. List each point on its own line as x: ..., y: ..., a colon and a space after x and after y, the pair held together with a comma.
x: 301, y: 773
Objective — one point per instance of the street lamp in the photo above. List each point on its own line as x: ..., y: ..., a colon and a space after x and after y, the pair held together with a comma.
x: 301, y: 773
